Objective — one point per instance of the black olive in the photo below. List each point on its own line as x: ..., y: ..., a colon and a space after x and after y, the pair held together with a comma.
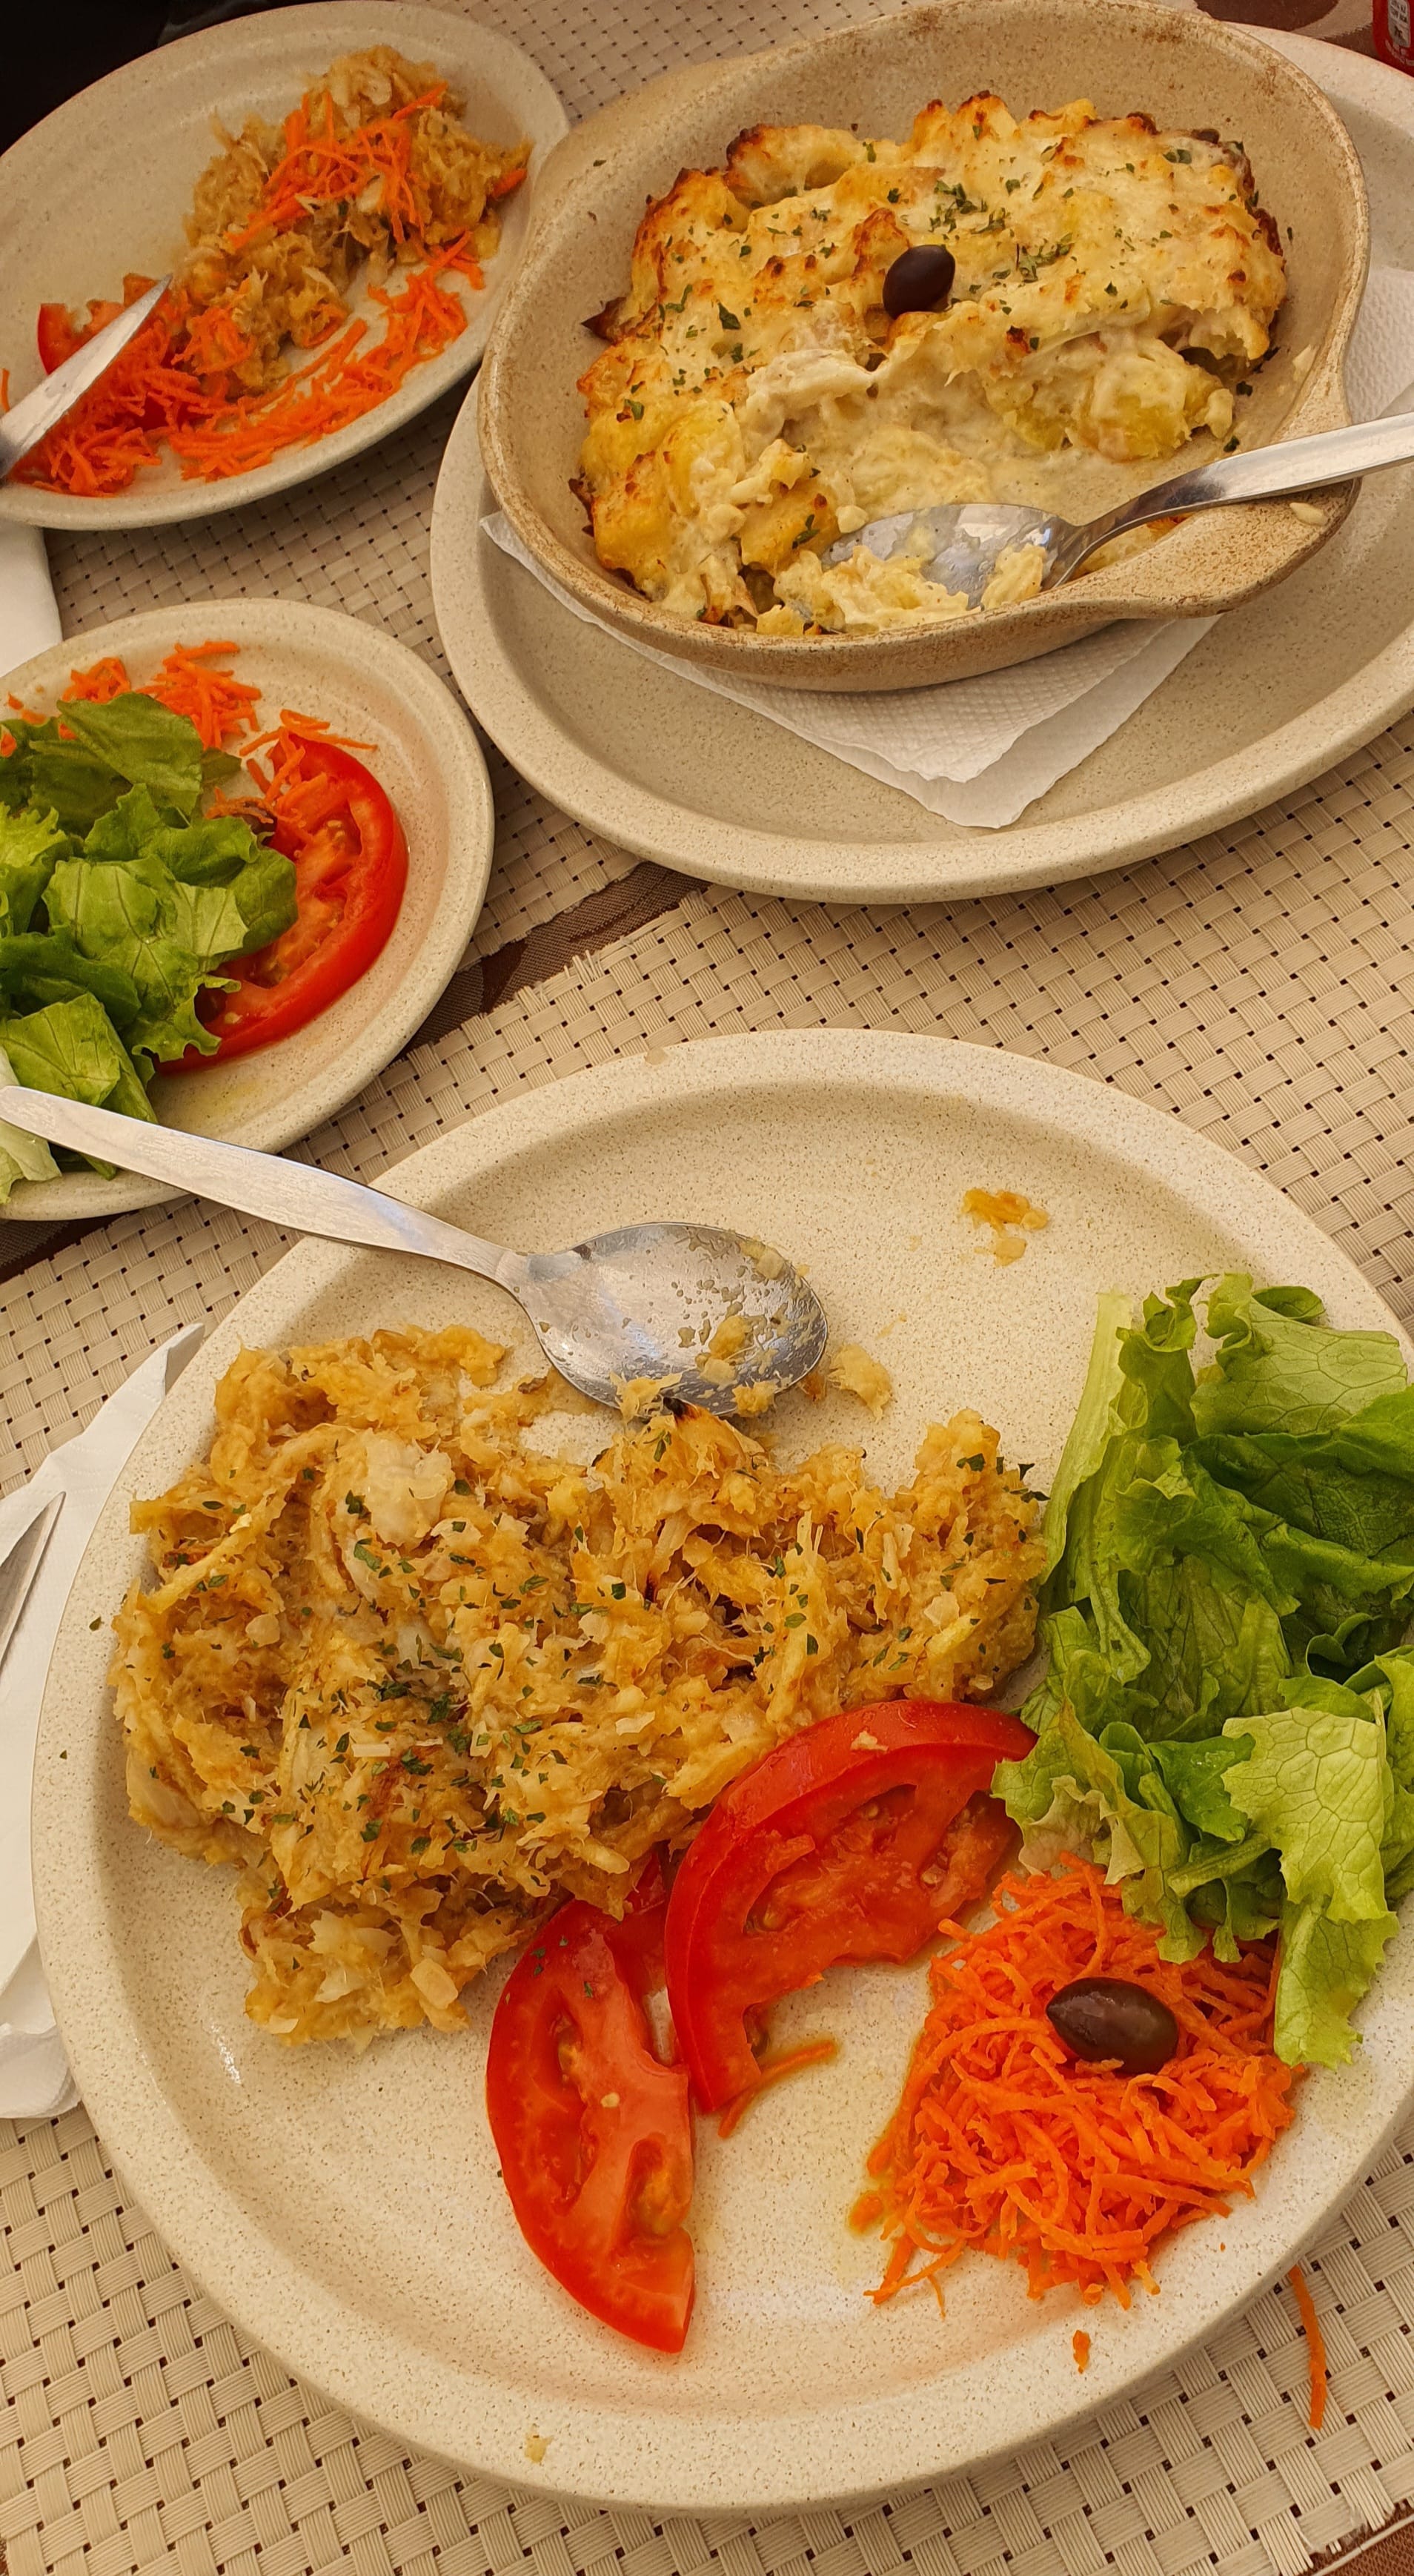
x: 1100, y: 2017
x: 919, y: 279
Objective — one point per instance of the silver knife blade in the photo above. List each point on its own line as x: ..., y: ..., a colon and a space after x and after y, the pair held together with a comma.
x: 29, y: 421
x: 21, y: 1566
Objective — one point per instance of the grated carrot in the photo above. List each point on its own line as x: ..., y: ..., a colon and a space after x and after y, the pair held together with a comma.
x: 1080, y: 2346
x: 1315, y: 2345
x: 221, y: 708
x: 816, y: 2052
x: 103, y: 680
x: 1003, y: 2144
x: 175, y: 387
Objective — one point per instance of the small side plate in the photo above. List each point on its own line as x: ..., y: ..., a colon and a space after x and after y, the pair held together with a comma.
x: 141, y: 139
x: 371, y: 690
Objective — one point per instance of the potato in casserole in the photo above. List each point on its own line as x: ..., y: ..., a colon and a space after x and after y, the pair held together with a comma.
x: 756, y: 400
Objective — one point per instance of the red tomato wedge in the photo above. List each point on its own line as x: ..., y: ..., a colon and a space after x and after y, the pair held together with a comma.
x: 58, y: 334
x: 351, y: 866
x: 592, y: 2129
x: 851, y: 1841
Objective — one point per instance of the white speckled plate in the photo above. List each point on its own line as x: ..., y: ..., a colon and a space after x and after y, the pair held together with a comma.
x: 1273, y: 695
x: 372, y: 690
x: 346, y: 2210
x: 142, y: 137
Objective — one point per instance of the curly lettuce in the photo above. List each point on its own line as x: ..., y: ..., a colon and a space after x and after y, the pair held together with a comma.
x: 120, y: 902
x: 1227, y: 1718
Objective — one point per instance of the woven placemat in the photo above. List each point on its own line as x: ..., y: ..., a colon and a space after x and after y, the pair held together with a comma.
x: 1256, y: 985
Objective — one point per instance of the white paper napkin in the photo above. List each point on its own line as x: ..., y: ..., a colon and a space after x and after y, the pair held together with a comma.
x: 981, y: 751
x: 34, y: 2077
x: 29, y: 619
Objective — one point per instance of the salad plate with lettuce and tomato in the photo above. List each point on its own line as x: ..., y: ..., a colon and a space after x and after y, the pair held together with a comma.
x: 238, y: 863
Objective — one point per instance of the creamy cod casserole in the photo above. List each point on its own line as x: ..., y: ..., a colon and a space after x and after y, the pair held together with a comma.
x: 420, y: 1678
x: 758, y: 398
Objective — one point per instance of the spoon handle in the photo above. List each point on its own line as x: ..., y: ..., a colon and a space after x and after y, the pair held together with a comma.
x: 1263, y: 474
x: 298, y: 1195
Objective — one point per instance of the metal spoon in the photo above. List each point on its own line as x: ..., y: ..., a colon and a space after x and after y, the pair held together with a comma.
x: 968, y: 538
x: 642, y: 1302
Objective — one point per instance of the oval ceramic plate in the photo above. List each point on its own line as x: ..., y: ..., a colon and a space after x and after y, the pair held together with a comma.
x: 141, y: 139
x: 346, y: 2210
x: 372, y: 690
x: 1274, y: 694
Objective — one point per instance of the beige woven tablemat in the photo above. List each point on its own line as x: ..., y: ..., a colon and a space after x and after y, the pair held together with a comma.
x: 1258, y: 987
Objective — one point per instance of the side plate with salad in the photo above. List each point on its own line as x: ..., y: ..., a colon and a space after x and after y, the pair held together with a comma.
x: 207, y: 927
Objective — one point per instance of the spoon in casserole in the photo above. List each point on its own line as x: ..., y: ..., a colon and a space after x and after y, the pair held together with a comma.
x: 638, y: 1308
x: 962, y: 543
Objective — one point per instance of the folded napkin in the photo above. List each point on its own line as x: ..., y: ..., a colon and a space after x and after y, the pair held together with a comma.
x: 29, y: 619
x: 981, y: 751
x: 34, y: 2077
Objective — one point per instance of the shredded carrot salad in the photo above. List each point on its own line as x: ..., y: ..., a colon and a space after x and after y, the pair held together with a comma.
x: 373, y: 166
x: 173, y: 388
x: 222, y: 708
x: 1005, y: 2144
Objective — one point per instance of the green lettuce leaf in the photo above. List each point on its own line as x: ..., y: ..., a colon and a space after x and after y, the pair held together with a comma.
x: 40, y: 967
x: 1074, y: 1794
x: 1097, y: 1421
x: 30, y: 845
x: 1353, y: 1486
x: 73, y: 1049
x: 165, y: 935
x: 1279, y: 1368
x: 1318, y: 1786
x: 1325, y: 1969
x: 22, y: 1157
x: 145, y: 744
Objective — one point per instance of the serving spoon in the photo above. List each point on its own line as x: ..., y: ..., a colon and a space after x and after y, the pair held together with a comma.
x: 968, y: 538
x: 641, y: 1303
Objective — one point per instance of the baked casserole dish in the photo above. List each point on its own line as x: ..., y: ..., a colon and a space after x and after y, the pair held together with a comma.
x: 832, y: 328
x: 1142, y: 235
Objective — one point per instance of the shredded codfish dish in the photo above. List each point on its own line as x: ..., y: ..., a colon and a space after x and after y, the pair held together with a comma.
x: 372, y: 174
x: 831, y: 329
x: 419, y: 1678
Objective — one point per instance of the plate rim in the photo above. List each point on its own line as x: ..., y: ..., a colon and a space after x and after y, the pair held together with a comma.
x: 143, y: 507
x: 971, y: 861
x: 791, y: 2460
x: 466, y: 781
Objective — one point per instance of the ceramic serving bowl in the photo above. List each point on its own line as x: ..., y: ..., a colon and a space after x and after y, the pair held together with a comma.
x: 1184, y: 69
x: 140, y: 140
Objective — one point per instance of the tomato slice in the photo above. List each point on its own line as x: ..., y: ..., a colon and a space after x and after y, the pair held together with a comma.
x: 851, y: 1841
x: 592, y: 2129
x: 350, y: 872
x: 58, y: 334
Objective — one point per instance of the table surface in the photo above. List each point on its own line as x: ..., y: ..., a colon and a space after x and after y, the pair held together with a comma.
x: 1256, y: 984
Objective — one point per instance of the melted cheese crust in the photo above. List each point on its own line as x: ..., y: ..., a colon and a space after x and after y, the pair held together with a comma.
x: 755, y: 400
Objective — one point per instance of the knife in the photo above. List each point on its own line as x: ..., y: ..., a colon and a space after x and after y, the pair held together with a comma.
x: 79, y: 1477
x: 22, y: 427
x: 20, y: 1567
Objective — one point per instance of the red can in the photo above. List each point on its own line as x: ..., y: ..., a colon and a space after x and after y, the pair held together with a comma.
x: 1393, y: 34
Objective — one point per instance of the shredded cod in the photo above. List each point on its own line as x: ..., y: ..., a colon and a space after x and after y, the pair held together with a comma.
x: 422, y: 1679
